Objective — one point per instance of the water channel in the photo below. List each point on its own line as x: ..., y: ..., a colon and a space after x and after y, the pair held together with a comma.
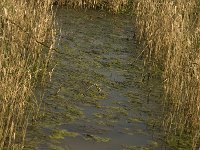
x: 99, y: 97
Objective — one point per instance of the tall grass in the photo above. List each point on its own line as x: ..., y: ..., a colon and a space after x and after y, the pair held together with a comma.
x: 24, y: 28
x: 111, y: 5
x: 171, y: 31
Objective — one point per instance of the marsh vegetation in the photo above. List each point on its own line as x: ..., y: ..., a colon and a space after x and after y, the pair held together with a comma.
x: 106, y: 74
x: 170, y: 30
x: 24, y: 27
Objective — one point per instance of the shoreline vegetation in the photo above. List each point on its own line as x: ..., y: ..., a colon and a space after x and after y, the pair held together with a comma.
x: 114, y: 6
x: 24, y: 25
x: 168, y: 29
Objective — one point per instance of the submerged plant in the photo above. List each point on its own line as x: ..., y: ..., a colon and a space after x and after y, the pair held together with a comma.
x: 61, y: 134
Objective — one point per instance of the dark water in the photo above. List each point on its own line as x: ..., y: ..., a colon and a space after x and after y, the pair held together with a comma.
x: 99, y: 98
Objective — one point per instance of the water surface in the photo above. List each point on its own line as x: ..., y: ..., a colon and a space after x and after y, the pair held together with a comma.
x: 99, y: 98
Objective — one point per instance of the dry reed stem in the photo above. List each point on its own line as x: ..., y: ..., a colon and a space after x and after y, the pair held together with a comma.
x: 23, y: 63
x: 111, y: 5
x: 171, y: 30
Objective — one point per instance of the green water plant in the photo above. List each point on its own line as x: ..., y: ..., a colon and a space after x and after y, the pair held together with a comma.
x: 61, y: 134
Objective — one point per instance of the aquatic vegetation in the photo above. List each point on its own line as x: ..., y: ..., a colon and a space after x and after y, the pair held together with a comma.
x: 135, y: 120
x: 134, y: 96
x: 129, y: 148
x: 112, y: 113
x: 74, y: 110
x: 61, y: 134
x: 135, y: 148
x: 55, y: 147
x: 154, y: 144
x: 96, y: 138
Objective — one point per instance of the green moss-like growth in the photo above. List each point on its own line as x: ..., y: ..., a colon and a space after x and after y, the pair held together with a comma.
x: 153, y: 144
x: 135, y: 120
x: 55, y: 147
x: 96, y: 138
x: 61, y: 134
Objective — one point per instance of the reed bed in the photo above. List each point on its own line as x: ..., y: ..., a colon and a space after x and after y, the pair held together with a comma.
x: 170, y: 30
x: 25, y: 32
x: 111, y: 5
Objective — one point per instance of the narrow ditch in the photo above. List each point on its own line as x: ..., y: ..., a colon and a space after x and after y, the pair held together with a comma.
x: 98, y: 98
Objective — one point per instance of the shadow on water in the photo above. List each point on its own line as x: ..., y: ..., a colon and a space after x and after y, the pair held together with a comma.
x: 97, y: 99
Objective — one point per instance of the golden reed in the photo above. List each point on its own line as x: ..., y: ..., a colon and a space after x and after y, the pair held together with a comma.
x: 24, y: 28
x: 111, y: 5
x: 171, y: 31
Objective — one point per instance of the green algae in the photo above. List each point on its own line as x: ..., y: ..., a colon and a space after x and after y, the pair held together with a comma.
x: 153, y: 144
x: 130, y: 148
x: 135, y: 120
x: 112, y: 114
x: 61, y: 134
x: 55, y: 147
x: 135, y: 148
x: 74, y: 110
x: 96, y: 138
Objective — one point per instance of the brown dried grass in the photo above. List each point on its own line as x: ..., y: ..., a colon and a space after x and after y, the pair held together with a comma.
x: 111, y: 5
x: 24, y: 27
x: 171, y: 31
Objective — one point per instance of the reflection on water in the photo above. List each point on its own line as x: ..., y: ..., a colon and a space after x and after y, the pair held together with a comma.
x: 97, y: 99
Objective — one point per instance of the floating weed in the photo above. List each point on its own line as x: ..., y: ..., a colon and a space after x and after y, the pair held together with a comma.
x: 101, y: 122
x: 112, y: 114
x: 70, y: 117
x: 115, y: 62
x: 129, y: 147
x: 139, y: 148
x: 118, y: 110
x: 127, y: 131
x: 152, y: 122
x: 132, y: 95
x: 96, y: 138
x: 153, y: 144
x: 61, y: 134
x: 98, y: 115
x: 55, y: 147
x: 135, y: 120
x: 74, y: 110
x: 145, y: 110
x: 140, y: 131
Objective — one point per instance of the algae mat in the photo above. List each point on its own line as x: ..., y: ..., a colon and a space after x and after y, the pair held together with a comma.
x: 98, y: 98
